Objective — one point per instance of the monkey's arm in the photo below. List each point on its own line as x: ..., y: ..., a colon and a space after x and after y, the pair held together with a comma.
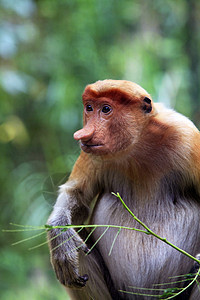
x: 71, y: 208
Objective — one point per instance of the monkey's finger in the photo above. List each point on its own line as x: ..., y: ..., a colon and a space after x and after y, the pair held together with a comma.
x: 77, y: 282
x: 83, y: 279
x: 196, y: 264
x: 198, y: 256
x: 80, y: 281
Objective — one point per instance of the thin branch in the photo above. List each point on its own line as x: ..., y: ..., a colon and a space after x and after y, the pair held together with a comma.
x: 114, y: 241
x: 149, y: 231
x: 97, y: 240
x: 29, y: 238
x: 194, y: 279
x: 49, y: 227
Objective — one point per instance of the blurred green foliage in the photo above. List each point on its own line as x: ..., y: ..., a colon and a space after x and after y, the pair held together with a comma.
x: 49, y: 51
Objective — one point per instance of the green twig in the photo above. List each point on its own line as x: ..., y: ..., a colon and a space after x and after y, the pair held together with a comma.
x: 114, y: 241
x: 29, y: 238
x: 150, y: 232
x: 49, y: 227
x: 194, y: 279
x: 98, y: 240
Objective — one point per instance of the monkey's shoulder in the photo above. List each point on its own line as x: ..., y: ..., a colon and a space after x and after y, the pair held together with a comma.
x: 170, y: 117
x: 179, y: 129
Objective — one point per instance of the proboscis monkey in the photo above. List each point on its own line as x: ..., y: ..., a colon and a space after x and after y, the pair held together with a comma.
x: 151, y: 156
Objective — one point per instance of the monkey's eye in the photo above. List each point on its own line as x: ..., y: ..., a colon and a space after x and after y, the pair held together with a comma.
x: 106, y: 109
x: 89, y: 107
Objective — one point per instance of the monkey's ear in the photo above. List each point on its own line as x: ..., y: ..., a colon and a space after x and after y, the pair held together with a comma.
x: 147, y: 107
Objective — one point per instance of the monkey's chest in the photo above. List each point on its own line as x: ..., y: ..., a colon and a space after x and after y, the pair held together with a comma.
x: 139, y: 260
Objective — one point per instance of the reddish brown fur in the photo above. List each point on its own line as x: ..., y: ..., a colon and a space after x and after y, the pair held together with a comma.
x: 115, y: 94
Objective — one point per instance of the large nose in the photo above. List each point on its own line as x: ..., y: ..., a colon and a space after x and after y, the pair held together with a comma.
x: 84, y: 134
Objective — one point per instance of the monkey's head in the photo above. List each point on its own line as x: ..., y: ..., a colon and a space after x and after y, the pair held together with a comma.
x: 115, y: 113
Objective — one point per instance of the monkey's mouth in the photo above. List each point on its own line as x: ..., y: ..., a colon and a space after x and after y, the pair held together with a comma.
x: 90, y: 147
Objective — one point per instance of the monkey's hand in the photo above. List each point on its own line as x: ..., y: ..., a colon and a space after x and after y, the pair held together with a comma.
x: 64, y: 246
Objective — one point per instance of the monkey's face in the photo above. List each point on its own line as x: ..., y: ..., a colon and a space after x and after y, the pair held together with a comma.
x: 108, y: 129
x: 104, y: 131
x: 113, y: 118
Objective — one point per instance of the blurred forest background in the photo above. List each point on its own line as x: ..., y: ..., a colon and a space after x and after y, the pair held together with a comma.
x: 49, y: 51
